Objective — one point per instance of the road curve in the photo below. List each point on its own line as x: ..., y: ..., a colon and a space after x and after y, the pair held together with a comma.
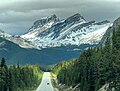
x: 46, y: 84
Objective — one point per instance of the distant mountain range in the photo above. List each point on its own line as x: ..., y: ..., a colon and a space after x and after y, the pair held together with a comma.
x: 51, y: 39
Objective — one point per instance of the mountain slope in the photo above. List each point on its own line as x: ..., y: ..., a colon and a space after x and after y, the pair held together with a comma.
x: 15, y: 54
x: 17, y: 40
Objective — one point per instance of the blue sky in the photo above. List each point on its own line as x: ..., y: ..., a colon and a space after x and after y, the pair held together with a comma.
x: 17, y: 16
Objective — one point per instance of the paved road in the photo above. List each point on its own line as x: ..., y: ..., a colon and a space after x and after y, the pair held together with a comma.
x: 46, y: 84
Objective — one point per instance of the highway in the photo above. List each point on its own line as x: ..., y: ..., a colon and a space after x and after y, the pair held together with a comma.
x: 46, y: 84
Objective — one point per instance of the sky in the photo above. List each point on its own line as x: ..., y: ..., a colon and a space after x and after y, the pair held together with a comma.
x: 17, y: 16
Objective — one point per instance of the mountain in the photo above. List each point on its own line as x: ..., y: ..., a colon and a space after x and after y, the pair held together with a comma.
x: 74, y: 30
x: 51, y: 40
x: 17, y: 40
x: 54, y: 32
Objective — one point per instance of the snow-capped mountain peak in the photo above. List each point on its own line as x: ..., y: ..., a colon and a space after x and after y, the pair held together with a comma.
x: 43, y: 21
x: 52, y: 32
x: 40, y: 26
x: 52, y: 24
x: 3, y: 34
x: 74, y: 30
x: 17, y: 40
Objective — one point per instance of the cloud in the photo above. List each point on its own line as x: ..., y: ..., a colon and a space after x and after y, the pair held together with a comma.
x: 16, y: 16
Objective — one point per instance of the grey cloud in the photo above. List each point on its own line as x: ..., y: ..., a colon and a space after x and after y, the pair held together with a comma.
x: 24, y: 6
x: 13, y: 16
x: 16, y: 16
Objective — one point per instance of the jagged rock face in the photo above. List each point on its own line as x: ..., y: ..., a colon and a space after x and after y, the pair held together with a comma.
x: 61, y: 26
x: 43, y: 21
x: 75, y: 18
x: 74, y: 30
x: 116, y: 23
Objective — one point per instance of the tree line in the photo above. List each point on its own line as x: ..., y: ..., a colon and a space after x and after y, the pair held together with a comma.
x: 19, y: 78
x: 94, y: 68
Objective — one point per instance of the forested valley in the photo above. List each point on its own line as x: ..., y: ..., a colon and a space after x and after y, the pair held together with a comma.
x: 19, y: 78
x: 94, y: 68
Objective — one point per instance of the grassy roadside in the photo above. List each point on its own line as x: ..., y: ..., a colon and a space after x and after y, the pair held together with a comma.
x: 54, y: 82
x: 34, y: 87
x: 60, y: 87
x: 56, y: 85
x: 39, y: 74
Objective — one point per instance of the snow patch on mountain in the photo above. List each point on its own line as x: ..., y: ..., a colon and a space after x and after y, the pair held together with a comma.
x: 34, y: 33
x: 17, y: 40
